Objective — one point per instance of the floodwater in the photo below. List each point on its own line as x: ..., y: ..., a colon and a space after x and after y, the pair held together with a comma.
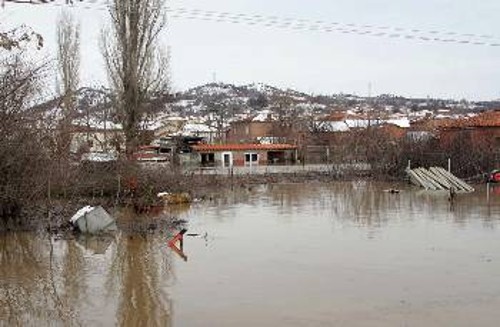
x: 343, y: 254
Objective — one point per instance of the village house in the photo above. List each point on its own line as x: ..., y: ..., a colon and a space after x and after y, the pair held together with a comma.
x: 263, y: 127
x: 228, y: 155
x: 175, y: 149
x: 481, y: 132
x: 168, y: 125
x: 427, y: 128
x: 179, y: 126
x: 342, y: 136
x: 208, y: 133
x: 97, y: 139
x: 153, y: 153
x: 249, y: 131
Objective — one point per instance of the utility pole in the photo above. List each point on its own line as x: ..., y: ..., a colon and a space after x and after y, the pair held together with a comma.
x: 370, y: 108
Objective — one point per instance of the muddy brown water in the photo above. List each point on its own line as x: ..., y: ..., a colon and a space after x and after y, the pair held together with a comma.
x: 342, y: 254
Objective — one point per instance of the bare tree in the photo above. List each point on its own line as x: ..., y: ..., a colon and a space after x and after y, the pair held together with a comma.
x: 287, y: 121
x: 136, y: 66
x: 21, y: 136
x: 68, y: 55
x: 219, y: 109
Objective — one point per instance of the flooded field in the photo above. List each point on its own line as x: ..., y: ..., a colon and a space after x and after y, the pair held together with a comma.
x: 343, y: 254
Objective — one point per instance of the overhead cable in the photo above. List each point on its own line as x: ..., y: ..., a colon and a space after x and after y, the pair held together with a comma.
x: 298, y: 24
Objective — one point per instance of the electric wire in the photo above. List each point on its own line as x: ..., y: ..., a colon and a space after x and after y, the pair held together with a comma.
x: 300, y: 24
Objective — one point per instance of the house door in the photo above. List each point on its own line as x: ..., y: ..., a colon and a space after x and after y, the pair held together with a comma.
x: 227, y: 159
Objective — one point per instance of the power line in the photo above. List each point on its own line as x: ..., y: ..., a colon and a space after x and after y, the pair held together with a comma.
x: 297, y: 24
x: 313, y: 24
x: 344, y: 28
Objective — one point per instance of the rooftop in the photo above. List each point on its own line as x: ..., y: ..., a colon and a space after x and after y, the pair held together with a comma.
x: 485, y: 119
x: 242, y: 147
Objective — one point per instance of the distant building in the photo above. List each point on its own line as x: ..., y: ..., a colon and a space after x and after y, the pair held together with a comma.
x: 96, y: 139
x: 481, y: 132
x: 178, y: 126
x: 263, y: 127
x: 228, y: 155
x: 249, y: 131
x: 208, y: 133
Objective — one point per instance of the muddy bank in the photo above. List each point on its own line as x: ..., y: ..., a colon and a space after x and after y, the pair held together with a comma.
x: 54, y: 218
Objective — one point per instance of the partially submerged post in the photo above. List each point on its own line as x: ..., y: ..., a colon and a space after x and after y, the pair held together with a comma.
x: 179, y: 237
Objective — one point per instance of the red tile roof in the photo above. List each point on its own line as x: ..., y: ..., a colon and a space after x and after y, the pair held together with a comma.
x: 242, y: 147
x: 485, y: 119
x: 432, y: 124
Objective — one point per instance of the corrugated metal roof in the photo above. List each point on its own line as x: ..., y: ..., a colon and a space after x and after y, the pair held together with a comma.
x: 242, y: 147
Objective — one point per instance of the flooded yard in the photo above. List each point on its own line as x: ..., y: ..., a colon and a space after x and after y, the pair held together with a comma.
x: 341, y: 254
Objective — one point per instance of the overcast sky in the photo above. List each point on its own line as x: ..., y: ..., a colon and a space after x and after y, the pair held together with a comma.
x: 310, y: 61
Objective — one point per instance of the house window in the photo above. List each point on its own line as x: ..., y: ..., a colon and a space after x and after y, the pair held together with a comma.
x: 274, y: 157
x: 251, y: 158
x: 227, y: 159
x: 207, y: 159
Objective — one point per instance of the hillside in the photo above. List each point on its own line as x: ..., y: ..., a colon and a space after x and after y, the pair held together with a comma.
x: 216, y: 100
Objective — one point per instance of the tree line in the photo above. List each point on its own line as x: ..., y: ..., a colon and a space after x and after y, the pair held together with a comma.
x: 34, y: 148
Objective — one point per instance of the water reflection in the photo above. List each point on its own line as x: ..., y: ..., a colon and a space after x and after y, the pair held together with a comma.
x: 48, y: 282
x: 138, y: 273
x: 364, y: 203
x: 29, y: 281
